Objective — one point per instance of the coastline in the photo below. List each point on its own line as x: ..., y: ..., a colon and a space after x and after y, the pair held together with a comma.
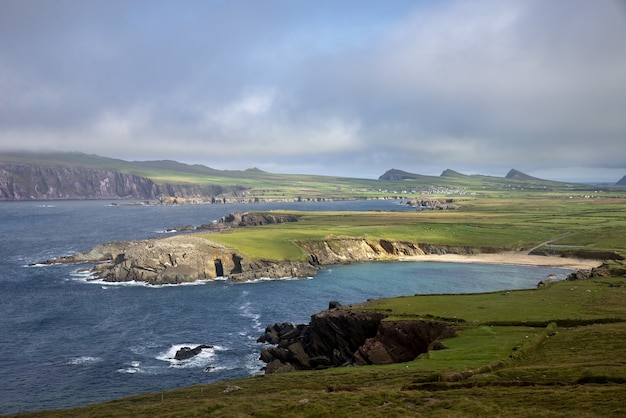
x: 509, y: 258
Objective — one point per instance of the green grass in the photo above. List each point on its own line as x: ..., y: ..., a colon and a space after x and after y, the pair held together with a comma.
x: 513, y: 371
x: 264, y: 185
x: 573, y: 372
x: 517, y: 225
x: 579, y: 300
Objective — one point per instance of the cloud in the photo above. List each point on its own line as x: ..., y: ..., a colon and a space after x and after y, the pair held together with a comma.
x: 350, y: 88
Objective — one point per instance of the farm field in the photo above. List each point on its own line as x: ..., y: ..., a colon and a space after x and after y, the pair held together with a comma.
x: 557, y: 350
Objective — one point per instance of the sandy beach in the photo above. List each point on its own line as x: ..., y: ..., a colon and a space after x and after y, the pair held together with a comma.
x: 509, y: 258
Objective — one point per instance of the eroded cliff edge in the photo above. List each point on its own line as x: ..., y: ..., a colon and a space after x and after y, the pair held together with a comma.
x: 341, y: 336
x: 190, y: 257
x: 187, y: 258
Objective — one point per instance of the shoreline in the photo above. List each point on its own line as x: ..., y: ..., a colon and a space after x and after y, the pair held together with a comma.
x: 509, y: 258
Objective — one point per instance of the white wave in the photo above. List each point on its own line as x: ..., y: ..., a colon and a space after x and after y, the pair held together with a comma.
x: 269, y: 279
x: 105, y: 283
x: 83, y: 360
x: 202, y: 360
x: 133, y: 367
x: 213, y: 369
x: 82, y: 275
x: 253, y: 364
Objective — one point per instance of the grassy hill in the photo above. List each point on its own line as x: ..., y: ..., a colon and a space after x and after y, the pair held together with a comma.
x: 264, y: 185
x: 512, y: 370
x: 553, y: 351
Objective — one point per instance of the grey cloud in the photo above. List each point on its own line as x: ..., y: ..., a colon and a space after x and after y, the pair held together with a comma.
x: 355, y: 87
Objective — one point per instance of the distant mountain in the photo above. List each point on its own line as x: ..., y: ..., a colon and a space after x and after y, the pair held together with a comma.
x: 518, y: 175
x: 622, y: 182
x: 452, y: 173
x: 398, y: 175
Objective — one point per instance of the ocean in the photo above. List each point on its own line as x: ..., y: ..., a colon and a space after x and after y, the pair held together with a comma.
x: 66, y: 341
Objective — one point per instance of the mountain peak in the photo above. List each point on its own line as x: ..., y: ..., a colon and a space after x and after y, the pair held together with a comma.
x: 451, y: 173
x: 394, y: 175
x: 518, y: 175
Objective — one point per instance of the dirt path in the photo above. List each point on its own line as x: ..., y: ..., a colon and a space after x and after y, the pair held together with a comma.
x: 548, y: 242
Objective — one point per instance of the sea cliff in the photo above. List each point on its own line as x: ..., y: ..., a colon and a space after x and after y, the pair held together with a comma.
x: 193, y: 256
x: 34, y: 182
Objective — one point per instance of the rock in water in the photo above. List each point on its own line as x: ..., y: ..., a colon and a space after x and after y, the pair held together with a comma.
x: 188, y: 352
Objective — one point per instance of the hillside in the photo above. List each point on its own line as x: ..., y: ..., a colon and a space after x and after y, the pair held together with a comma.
x: 565, y: 361
x: 518, y: 175
x: 40, y: 176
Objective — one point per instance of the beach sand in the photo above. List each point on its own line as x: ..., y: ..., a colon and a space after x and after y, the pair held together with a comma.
x: 509, y: 258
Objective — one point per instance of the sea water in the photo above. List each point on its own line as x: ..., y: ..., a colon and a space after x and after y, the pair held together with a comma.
x: 66, y: 341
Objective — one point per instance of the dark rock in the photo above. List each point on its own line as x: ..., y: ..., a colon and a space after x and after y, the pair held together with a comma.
x: 333, y: 304
x: 339, y: 337
x: 601, y: 271
x: 188, y: 352
x: 181, y: 228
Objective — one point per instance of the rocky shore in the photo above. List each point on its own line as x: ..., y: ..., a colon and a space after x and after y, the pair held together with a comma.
x: 190, y: 257
x: 342, y: 337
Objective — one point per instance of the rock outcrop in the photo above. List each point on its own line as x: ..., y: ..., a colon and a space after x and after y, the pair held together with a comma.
x: 187, y: 352
x: 180, y: 259
x: 191, y: 257
x: 26, y: 182
x: 340, y: 337
x: 350, y: 250
x: 35, y: 182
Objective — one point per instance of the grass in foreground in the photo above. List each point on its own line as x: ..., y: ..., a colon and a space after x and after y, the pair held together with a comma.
x: 512, y: 371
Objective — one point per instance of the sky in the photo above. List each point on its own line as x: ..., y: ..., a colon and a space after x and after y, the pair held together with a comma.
x: 348, y: 88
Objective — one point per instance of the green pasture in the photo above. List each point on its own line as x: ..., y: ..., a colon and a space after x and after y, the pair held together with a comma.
x: 263, y: 185
x: 516, y: 225
x: 560, y: 301
x: 513, y: 370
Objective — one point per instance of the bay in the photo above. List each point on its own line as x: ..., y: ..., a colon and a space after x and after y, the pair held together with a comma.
x: 67, y: 342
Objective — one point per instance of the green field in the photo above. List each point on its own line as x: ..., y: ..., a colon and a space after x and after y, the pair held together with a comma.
x: 511, y: 224
x: 487, y: 370
x: 257, y: 184
x: 555, y: 351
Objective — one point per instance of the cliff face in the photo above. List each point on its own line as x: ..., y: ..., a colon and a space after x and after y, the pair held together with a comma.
x: 25, y: 182
x: 339, y: 337
x: 31, y: 182
x: 187, y: 258
x: 346, y: 250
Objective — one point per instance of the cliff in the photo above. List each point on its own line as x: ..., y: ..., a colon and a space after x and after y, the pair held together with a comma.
x: 340, y: 337
x: 191, y: 257
x: 27, y: 182
x: 39, y: 182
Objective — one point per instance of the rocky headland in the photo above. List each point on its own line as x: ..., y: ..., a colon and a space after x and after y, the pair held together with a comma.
x: 20, y: 181
x: 342, y: 337
x: 192, y: 256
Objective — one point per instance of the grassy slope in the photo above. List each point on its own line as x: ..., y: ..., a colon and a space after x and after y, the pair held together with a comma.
x: 277, y: 186
x: 548, y: 376
x: 555, y: 371
x: 509, y: 224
